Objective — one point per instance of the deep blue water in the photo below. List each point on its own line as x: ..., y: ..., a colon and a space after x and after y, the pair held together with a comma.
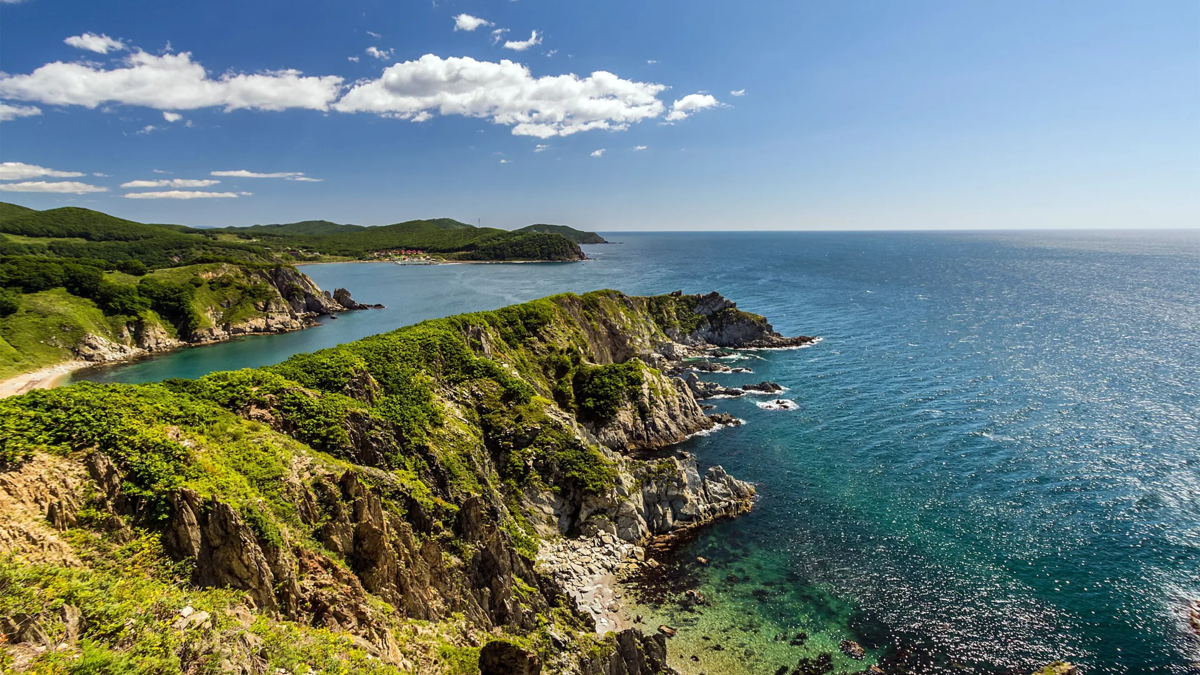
x: 996, y: 455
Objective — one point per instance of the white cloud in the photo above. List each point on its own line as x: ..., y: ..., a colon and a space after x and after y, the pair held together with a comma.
x: 689, y: 104
x: 498, y: 34
x: 598, y: 153
x: 101, y: 44
x: 651, y: 61
x: 551, y: 53
x: 159, y: 171
x: 99, y: 174
x: 522, y: 45
x: 22, y: 171
x: 182, y: 194
x: 62, y: 187
x: 12, y: 112
x: 352, y: 59
x: 287, y: 175
x: 639, y: 148
x: 541, y: 147
x: 469, y: 23
x: 374, y: 34
x: 170, y: 182
x: 171, y: 117
x: 148, y: 129
x: 379, y: 53
x: 169, y: 82
x: 738, y: 92
x: 505, y: 161
x: 506, y: 93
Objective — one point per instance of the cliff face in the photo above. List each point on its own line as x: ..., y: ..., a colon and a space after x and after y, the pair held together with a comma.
x: 386, y: 504
x: 284, y: 300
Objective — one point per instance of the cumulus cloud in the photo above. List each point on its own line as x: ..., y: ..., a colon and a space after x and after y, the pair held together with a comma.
x: 506, y: 93
x: 61, y: 187
x: 639, y: 148
x: 101, y: 44
x: 505, y: 161
x: 522, y: 45
x: 379, y: 53
x: 22, y: 171
x: 172, y: 182
x: 12, y: 112
x: 168, y: 82
x: 738, y: 92
x: 598, y: 153
x: 184, y: 194
x: 352, y: 59
x: 651, y: 61
x: 689, y: 104
x: 469, y: 23
x: 498, y: 34
x: 171, y: 117
x: 541, y: 147
x: 287, y: 175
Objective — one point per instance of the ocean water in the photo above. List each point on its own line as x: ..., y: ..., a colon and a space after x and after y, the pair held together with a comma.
x: 994, y: 461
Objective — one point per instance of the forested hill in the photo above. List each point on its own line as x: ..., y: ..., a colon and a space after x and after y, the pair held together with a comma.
x: 577, y: 236
x: 445, y: 236
x: 73, y: 232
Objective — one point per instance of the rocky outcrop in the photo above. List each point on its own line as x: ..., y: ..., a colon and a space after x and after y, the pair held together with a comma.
x: 632, y: 654
x: 722, y: 324
x: 38, y: 500
x: 663, y: 412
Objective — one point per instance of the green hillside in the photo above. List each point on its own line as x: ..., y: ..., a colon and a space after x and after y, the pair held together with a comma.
x: 577, y: 236
x: 304, y: 227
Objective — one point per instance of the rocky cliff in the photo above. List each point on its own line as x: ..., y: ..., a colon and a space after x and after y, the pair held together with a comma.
x: 232, y: 300
x: 389, y: 505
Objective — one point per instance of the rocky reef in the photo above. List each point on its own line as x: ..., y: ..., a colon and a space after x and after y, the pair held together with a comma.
x: 422, y: 500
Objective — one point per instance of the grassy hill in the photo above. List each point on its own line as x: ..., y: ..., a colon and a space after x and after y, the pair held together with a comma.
x: 577, y: 236
x: 304, y: 227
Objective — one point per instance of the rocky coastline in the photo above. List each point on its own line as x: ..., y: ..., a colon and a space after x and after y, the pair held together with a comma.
x: 295, y: 304
x: 556, y: 436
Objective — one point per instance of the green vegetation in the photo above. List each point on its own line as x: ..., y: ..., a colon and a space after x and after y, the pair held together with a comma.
x: 408, y: 426
x: 577, y: 236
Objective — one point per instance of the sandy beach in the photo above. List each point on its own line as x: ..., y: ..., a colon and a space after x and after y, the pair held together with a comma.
x: 46, y: 378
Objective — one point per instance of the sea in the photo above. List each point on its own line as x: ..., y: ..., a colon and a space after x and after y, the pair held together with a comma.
x: 992, y: 461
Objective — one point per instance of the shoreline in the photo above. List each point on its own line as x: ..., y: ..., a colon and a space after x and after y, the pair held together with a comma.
x: 445, y: 262
x: 43, y: 378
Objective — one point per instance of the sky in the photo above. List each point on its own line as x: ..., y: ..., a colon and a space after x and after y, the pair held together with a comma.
x: 613, y: 116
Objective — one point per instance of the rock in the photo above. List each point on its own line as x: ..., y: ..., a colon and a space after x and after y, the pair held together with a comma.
x: 763, y: 387
x: 852, y: 649
x: 342, y: 297
x: 500, y: 657
x: 725, y: 419
x: 667, y: 630
x: 694, y: 597
x: 702, y: 561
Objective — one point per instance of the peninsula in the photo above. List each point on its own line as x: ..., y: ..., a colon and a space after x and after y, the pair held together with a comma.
x: 404, y: 503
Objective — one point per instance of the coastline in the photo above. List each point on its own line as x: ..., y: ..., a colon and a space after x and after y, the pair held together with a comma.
x: 44, y: 378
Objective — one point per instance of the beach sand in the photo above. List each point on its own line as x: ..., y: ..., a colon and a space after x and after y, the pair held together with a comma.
x: 46, y: 378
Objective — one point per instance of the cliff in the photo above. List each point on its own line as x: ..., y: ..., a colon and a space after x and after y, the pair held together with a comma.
x: 196, y: 304
x: 389, y: 505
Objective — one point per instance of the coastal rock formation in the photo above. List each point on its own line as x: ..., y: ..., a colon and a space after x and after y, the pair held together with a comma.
x: 717, y: 321
x: 458, y: 482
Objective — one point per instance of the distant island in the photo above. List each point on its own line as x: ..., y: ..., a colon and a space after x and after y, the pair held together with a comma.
x: 445, y: 238
x: 79, y: 286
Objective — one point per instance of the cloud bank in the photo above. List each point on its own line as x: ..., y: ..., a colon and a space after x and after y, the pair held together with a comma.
x: 505, y: 93
x: 61, y: 187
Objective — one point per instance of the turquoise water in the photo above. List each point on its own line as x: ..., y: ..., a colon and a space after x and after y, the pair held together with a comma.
x: 996, y: 457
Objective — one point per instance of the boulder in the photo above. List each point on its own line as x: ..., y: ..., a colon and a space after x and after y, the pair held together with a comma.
x: 500, y: 657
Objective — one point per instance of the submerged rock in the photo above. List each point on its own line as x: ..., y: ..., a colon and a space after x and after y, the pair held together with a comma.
x: 853, y: 649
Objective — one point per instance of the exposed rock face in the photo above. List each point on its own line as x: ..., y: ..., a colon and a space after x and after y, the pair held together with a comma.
x: 703, y: 390
x: 724, y: 325
x: 655, y: 420
x: 37, y: 500
x: 635, y: 654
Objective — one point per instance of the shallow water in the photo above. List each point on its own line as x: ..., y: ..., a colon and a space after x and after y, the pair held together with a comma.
x: 994, y: 462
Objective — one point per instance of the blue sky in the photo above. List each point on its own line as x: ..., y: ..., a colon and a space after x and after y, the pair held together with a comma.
x: 853, y: 115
